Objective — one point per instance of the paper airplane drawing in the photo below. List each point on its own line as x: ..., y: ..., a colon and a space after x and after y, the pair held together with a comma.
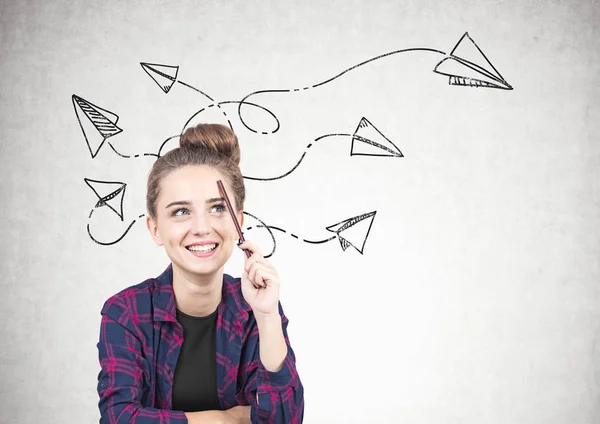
x: 109, y: 194
x: 163, y: 75
x: 468, y: 66
x: 354, y: 231
x: 96, y: 123
x: 369, y: 141
x: 350, y: 232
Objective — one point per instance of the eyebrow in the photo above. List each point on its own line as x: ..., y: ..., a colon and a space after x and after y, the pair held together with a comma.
x: 188, y: 203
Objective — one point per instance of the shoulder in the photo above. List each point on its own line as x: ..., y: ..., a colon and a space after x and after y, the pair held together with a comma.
x: 130, y: 299
x: 231, y: 284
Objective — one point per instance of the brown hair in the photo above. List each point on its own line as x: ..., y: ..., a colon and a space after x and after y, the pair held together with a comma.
x: 205, y: 144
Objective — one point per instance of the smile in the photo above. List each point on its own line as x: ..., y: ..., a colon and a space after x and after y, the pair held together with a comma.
x: 202, y: 247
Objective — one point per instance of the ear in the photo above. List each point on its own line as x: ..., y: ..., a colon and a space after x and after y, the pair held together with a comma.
x: 153, y: 229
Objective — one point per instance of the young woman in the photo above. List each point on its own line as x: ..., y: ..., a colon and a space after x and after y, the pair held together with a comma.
x: 195, y: 345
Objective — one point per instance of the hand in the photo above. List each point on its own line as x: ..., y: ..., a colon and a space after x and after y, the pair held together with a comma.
x: 260, y: 282
x: 237, y: 415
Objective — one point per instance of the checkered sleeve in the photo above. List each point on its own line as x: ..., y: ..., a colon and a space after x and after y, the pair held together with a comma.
x: 275, y: 397
x: 124, y: 372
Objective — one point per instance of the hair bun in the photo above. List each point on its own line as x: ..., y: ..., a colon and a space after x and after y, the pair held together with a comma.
x: 215, y: 137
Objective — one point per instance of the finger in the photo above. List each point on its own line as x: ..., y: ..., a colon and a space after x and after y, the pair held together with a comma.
x: 266, y: 277
x: 255, y: 258
x: 251, y: 247
x: 250, y: 262
x: 255, y: 274
x: 246, y: 280
x: 261, y: 277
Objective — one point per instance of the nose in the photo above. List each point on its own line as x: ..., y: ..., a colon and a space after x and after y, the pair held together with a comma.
x: 200, y: 224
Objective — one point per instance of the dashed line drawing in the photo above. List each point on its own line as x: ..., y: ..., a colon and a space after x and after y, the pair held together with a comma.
x: 232, y: 102
x: 319, y: 84
x: 466, y: 55
x: 111, y: 195
x: 265, y: 226
x: 156, y: 155
x: 352, y: 231
x: 166, y: 75
x: 97, y: 124
x: 109, y: 243
x: 465, y: 66
x: 468, y: 66
x: 367, y: 140
x: 456, y: 79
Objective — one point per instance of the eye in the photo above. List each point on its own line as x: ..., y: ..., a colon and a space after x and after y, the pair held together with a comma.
x: 180, y: 212
x: 218, y: 208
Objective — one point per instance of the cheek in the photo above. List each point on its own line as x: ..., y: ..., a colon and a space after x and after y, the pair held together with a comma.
x: 177, y: 233
x: 226, y: 229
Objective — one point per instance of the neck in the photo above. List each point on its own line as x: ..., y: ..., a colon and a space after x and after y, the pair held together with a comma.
x: 197, y: 296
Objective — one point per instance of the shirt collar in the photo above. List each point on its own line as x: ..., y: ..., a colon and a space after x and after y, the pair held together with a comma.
x: 165, y: 307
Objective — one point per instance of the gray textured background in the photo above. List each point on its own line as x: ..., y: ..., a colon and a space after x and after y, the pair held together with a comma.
x: 477, y: 297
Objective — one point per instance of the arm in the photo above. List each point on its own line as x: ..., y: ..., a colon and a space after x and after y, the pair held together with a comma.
x: 121, y: 379
x: 236, y: 415
x: 273, y: 347
x: 272, y: 386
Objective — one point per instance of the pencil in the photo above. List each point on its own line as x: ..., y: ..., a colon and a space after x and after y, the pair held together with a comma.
x: 232, y: 213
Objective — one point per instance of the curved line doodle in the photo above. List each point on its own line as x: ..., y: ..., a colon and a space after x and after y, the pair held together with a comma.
x: 245, y: 99
x: 228, y: 102
x: 111, y: 195
x: 156, y: 155
x: 262, y: 224
x: 100, y: 125
x: 108, y: 243
x: 352, y: 231
x: 131, y: 156
x: 272, y: 227
x: 466, y: 65
x: 367, y: 140
x: 166, y: 75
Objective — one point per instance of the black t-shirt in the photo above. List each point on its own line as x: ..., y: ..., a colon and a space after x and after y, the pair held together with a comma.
x: 195, y: 376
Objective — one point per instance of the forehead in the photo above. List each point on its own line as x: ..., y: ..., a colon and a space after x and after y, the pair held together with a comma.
x: 197, y: 182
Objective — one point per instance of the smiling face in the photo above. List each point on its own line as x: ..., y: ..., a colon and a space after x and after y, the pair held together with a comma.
x: 192, y: 221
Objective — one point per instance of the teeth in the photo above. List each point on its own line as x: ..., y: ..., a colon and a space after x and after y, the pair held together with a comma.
x: 202, y: 248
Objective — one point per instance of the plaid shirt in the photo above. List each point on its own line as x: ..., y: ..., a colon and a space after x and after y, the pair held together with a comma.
x: 140, y: 340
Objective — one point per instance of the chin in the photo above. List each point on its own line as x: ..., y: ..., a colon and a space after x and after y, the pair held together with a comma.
x: 203, y: 265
